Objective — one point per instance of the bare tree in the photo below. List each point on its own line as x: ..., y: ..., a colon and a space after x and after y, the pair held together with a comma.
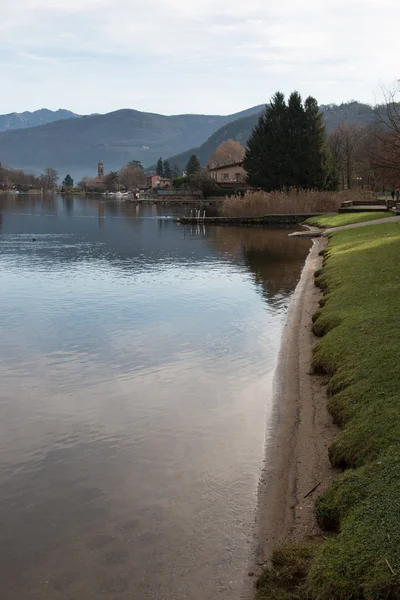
x: 386, y: 133
x: 49, y: 179
x: 16, y: 178
x: 228, y: 152
x: 388, y: 113
x: 202, y: 181
x: 84, y: 182
x: 111, y: 181
x: 346, y: 143
x: 365, y: 175
x: 132, y: 175
x: 89, y: 184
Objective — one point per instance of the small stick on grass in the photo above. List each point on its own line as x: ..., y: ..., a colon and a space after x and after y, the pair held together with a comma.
x: 313, y: 490
x: 390, y: 567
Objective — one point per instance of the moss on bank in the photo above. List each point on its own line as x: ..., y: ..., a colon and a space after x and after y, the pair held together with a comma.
x: 285, y: 579
x: 339, y: 219
x: 359, y: 320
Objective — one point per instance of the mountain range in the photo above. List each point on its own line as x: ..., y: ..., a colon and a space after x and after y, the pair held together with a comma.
x: 74, y: 144
x: 352, y: 113
x: 27, y: 119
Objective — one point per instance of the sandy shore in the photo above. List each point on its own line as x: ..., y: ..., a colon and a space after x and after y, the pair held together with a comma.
x: 296, y: 453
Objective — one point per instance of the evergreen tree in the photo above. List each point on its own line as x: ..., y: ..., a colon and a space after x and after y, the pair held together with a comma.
x: 193, y: 165
x: 167, y: 170
x: 68, y: 181
x: 266, y: 160
x: 288, y: 147
x: 296, y: 125
x: 160, y: 168
x: 176, y: 171
x: 319, y: 168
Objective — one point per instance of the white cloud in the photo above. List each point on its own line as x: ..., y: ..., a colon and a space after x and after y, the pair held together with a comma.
x: 180, y: 56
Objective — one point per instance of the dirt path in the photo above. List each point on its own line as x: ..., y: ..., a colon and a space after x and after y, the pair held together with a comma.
x: 364, y: 224
x: 296, y: 455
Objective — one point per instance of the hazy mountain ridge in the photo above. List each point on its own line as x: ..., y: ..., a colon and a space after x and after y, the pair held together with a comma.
x: 12, y: 121
x: 353, y: 113
x: 76, y: 145
x: 238, y: 130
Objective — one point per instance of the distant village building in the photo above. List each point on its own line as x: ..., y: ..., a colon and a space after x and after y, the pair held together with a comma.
x: 156, y: 181
x: 232, y: 173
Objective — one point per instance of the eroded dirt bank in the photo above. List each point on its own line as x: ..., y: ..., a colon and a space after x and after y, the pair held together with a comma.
x: 296, y: 453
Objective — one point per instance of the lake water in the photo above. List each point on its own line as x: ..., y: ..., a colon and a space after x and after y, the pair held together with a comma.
x: 136, y: 361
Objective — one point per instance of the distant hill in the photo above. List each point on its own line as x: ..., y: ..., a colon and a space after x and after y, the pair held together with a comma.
x: 240, y: 130
x: 353, y: 113
x: 76, y: 145
x: 27, y: 119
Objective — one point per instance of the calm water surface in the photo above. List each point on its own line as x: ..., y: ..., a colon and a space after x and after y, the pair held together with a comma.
x: 135, y: 366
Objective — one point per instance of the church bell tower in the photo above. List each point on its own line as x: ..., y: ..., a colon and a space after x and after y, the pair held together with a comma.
x: 100, y: 170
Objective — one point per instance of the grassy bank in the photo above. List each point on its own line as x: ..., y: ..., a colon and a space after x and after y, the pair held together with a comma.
x: 336, y: 220
x: 359, y: 325
x: 360, y: 350
x: 286, y: 579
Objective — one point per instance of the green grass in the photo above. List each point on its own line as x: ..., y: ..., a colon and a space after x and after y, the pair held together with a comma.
x: 359, y: 321
x: 338, y: 219
x: 285, y: 579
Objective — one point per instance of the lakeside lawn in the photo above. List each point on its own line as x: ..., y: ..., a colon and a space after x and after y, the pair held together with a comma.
x: 360, y: 324
x: 339, y: 219
x: 359, y: 349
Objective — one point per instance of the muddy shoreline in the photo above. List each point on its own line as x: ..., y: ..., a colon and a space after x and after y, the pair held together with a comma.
x: 297, y: 440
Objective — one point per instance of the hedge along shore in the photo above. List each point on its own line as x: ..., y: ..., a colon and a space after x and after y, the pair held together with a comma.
x: 359, y: 325
x: 296, y: 454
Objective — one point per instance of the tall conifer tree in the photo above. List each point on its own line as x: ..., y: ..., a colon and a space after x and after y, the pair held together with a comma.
x: 266, y: 157
x: 160, y: 168
x: 176, y: 171
x: 288, y: 147
x: 319, y: 172
x: 295, y: 141
x: 167, y: 170
x: 193, y: 165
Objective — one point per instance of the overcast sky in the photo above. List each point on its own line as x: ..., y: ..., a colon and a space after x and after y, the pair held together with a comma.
x: 204, y: 56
